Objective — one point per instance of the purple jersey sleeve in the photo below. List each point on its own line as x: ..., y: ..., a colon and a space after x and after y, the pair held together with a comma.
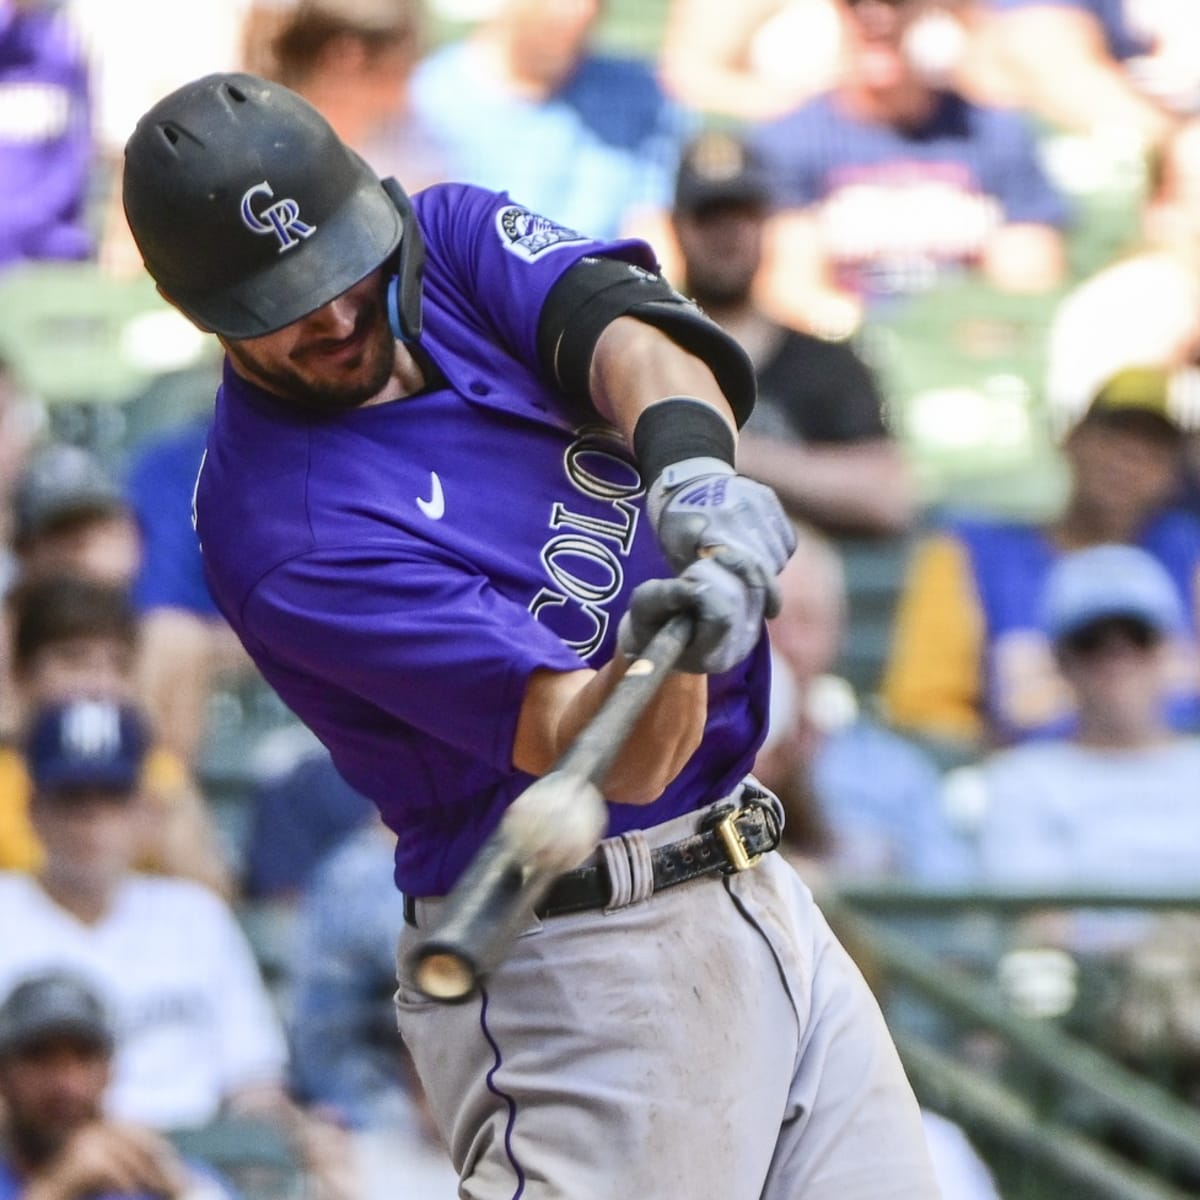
x: 431, y: 644
x: 492, y: 263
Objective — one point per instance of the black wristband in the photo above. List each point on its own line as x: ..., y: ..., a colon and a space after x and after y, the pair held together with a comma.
x: 679, y: 428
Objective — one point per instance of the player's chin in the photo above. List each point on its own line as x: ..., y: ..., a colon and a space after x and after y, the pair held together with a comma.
x: 352, y: 381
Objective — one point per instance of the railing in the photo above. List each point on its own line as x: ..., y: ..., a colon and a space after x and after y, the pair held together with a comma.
x: 1052, y: 1082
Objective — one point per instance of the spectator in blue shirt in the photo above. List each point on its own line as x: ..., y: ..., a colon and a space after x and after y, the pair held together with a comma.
x: 891, y: 183
x: 526, y: 103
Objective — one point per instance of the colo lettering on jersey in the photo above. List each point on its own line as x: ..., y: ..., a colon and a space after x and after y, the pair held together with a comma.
x: 585, y: 558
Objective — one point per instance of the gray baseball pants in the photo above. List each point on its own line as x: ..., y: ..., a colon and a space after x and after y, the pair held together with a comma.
x: 711, y: 1042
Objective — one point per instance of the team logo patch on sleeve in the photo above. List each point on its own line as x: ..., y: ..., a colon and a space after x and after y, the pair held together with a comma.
x: 527, y: 235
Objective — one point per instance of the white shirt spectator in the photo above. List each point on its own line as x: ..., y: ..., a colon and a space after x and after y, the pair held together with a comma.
x: 194, y: 1020
x: 1063, y: 815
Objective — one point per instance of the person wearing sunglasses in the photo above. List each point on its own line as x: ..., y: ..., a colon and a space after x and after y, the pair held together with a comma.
x: 1114, y: 804
x: 969, y: 666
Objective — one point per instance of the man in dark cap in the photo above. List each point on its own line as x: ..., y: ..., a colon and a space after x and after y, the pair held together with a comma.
x: 817, y: 435
x: 56, y: 1046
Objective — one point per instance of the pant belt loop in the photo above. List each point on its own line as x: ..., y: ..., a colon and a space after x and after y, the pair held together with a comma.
x: 630, y: 869
x: 620, y: 875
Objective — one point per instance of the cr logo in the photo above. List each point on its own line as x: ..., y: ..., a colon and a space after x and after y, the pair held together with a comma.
x: 281, y: 218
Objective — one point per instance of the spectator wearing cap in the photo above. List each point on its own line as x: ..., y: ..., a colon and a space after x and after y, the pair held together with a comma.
x: 75, y: 638
x: 1112, y: 807
x: 817, y: 434
x: 68, y: 516
x: 71, y: 516
x: 56, y: 1048
x: 970, y: 664
x: 198, y: 1030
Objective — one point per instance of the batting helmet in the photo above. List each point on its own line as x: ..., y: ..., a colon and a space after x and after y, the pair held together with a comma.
x: 248, y: 209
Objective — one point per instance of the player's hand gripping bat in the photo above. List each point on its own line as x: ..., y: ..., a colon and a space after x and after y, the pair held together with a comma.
x: 550, y: 828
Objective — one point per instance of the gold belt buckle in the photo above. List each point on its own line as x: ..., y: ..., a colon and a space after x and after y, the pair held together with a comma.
x: 740, y: 859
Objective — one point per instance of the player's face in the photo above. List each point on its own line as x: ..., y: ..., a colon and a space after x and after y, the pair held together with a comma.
x: 336, y: 358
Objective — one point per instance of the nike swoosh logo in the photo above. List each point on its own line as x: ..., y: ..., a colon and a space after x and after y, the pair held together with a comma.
x: 435, y: 507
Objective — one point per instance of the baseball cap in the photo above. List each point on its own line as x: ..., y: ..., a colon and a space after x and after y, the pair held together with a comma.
x: 53, y: 1003
x: 1109, y: 581
x: 61, y: 482
x: 1140, y: 389
x: 719, y: 168
x: 86, y: 744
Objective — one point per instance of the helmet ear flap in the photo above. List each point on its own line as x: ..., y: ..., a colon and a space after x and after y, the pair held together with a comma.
x: 404, y: 288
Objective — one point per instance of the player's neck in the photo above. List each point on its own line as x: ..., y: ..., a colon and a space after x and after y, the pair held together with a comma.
x: 407, y: 379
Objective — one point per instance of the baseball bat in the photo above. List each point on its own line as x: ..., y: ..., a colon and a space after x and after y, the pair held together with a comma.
x: 492, y: 901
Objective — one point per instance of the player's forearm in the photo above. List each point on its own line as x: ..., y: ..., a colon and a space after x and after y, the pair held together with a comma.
x: 665, y: 737
x: 866, y: 488
x: 636, y: 365
x: 558, y: 705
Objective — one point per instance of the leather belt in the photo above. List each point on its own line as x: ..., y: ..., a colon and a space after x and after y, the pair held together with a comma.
x: 733, y: 839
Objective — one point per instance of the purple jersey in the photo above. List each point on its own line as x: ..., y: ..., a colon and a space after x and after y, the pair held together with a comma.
x: 399, y: 570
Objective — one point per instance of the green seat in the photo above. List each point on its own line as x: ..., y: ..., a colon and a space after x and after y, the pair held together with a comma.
x: 75, y: 335
x: 963, y: 368
x: 254, y: 1156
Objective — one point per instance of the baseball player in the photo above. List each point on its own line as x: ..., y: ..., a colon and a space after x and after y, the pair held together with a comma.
x: 464, y: 462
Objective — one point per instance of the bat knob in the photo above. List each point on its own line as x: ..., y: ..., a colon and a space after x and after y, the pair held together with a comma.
x: 444, y: 975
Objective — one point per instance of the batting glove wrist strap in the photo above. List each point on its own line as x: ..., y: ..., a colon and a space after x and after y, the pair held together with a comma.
x: 676, y: 476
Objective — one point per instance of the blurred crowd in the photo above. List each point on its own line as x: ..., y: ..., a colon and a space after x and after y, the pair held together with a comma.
x: 960, y: 241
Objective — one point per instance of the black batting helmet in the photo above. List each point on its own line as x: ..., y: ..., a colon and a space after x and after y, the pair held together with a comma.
x: 248, y: 209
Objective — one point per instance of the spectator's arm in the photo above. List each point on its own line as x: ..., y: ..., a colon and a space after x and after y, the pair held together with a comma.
x: 1024, y: 257
x: 795, y: 284
x: 1059, y: 67
x: 176, y: 670
x: 706, y: 52
x: 858, y: 487
x: 933, y: 677
x: 182, y: 837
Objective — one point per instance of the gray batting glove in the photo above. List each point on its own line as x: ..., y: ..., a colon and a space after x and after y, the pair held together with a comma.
x: 728, y: 615
x: 702, y: 508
